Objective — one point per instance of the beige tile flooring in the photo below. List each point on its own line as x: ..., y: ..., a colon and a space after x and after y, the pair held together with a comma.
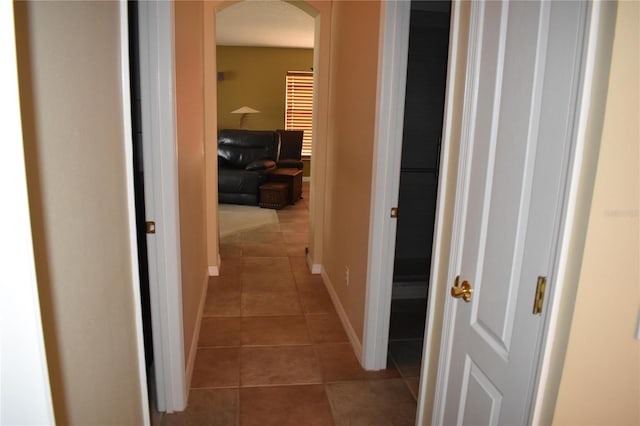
x: 272, y: 349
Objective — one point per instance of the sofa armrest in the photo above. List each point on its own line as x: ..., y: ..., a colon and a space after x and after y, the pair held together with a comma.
x: 287, y: 163
x: 260, y: 165
x: 222, y: 161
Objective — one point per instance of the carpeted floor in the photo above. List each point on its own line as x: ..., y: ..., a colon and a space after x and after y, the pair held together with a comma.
x: 234, y: 218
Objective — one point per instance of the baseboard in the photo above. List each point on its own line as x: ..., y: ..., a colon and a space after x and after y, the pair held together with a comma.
x: 351, y: 333
x: 214, y: 270
x: 315, y: 268
x: 193, y: 347
x: 409, y: 290
x: 306, y: 178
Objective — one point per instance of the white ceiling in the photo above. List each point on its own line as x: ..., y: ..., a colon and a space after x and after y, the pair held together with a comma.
x: 267, y: 23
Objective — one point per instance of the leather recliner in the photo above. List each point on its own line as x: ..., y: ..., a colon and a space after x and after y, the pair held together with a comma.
x: 290, y: 155
x: 244, y: 157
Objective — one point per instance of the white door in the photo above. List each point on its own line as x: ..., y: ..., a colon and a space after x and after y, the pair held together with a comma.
x: 157, y: 96
x: 522, y: 79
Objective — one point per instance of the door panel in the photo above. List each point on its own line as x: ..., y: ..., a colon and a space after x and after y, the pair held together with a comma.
x: 523, y: 74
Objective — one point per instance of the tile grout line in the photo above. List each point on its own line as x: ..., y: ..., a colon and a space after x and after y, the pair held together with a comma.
x: 315, y: 348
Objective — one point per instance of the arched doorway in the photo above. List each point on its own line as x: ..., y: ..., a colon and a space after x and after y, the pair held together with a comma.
x: 316, y: 9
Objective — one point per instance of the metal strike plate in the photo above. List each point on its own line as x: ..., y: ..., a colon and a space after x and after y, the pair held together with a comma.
x: 151, y: 227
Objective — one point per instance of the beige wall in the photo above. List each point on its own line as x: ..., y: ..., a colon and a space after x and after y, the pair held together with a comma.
x: 69, y: 66
x: 189, y: 39
x: 601, y: 377
x: 352, y: 100
x: 255, y: 77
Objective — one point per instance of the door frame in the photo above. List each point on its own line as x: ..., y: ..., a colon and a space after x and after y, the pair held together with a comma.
x: 385, y: 182
x: 157, y: 90
x: 588, y: 123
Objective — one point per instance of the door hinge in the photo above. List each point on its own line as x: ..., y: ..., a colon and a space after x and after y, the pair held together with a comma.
x: 539, y: 298
x: 394, y: 212
x: 151, y: 227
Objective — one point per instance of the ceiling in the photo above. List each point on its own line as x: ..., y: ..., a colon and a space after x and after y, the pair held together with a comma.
x: 265, y: 23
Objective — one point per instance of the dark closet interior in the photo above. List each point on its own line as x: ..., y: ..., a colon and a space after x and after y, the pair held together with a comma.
x: 423, y: 115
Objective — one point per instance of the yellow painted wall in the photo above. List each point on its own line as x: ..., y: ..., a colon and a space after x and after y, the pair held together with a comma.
x: 70, y: 85
x: 352, y: 100
x: 601, y: 378
x: 255, y: 77
x: 189, y: 39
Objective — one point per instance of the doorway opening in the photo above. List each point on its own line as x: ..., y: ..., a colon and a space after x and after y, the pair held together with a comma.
x: 419, y: 172
x: 254, y: 59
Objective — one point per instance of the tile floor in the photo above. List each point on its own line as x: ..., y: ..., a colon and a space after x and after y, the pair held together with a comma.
x: 272, y: 350
x: 406, y: 332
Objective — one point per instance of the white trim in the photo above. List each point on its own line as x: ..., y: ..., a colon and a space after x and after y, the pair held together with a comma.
x: 25, y: 392
x: 462, y: 188
x: 392, y: 72
x: 193, y: 348
x: 306, y: 178
x: 127, y: 128
x: 214, y: 271
x: 344, y: 318
x: 315, y: 268
x: 441, y: 203
x: 157, y: 87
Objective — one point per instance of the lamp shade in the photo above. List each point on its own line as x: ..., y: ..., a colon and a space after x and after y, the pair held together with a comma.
x: 245, y: 110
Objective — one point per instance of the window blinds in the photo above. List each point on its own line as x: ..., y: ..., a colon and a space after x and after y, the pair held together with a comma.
x: 299, y: 106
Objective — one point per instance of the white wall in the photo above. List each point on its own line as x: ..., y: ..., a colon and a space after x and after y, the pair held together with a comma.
x: 25, y: 395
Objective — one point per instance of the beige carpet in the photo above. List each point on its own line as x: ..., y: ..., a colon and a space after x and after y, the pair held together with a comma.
x: 234, y: 218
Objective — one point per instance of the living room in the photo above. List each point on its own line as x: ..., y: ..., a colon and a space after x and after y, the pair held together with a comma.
x: 264, y: 83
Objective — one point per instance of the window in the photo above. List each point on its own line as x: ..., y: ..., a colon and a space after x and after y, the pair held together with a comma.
x: 299, y: 106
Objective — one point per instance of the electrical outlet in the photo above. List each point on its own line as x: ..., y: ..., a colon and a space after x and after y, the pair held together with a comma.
x: 346, y: 275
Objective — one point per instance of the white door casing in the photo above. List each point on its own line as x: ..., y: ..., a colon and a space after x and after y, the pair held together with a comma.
x: 523, y: 76
x: 392, y: 77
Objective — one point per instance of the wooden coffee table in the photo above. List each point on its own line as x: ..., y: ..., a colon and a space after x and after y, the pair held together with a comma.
x: 293, y: 178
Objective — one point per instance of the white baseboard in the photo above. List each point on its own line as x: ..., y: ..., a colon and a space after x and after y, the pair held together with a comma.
x: 351, y: 333
x: 315, y: 268
x: 306, y: 178
x: 214, y: 270
x: 193, y: 347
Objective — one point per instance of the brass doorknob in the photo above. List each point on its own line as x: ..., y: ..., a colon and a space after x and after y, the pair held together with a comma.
x: 463, y: 291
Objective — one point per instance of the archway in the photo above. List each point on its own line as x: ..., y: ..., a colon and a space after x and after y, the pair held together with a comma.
x: 316, y: 9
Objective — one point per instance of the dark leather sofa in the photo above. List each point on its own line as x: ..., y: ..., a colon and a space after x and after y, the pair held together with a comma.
x: 244, y: 157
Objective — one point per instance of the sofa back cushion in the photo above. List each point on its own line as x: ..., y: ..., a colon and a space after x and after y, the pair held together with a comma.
x: 241, y: 147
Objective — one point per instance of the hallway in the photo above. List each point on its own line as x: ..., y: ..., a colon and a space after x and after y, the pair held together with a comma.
x: 272, y: 349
